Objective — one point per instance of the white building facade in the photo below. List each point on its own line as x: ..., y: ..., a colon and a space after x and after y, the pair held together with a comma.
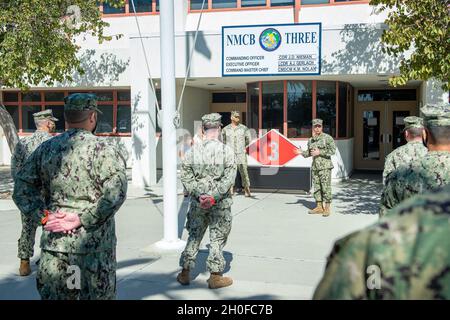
x: 349, y: 92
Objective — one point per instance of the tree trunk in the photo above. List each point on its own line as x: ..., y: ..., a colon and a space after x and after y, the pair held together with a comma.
x: 7, y: 124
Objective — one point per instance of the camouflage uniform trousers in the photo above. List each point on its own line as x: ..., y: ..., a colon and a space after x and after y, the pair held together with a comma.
x: 55, y: 280
x: 243, y: 170
x: 322, y: 185
x: 27, y: 238
x: 219, y: 223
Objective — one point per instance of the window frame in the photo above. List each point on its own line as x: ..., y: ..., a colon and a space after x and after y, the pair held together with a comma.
x: 296, y: 4
x: 348, y: 131
x: 43, y: 103
x: 129, y: 11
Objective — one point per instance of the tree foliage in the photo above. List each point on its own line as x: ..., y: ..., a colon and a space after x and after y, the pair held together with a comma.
x: 421, y: 26
x: 37, y: 38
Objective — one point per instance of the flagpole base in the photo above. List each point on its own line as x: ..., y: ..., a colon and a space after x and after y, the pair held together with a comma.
x: 166, y: 247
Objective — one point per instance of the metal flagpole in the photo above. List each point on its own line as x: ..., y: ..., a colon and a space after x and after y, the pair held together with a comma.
x: 168, y: 101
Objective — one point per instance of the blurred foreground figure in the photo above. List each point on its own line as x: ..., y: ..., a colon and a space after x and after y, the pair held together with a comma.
x: 413, y: 150
x: 73, y: 184
x: 406, y: 255
x: 432, y: 171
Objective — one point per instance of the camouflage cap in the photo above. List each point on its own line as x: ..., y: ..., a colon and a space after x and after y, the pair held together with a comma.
x: 236, y: 114
x: 211, y: 120
x: 81, y: 102
x: 436, y: 116
x: 413, y: 122
x: 44, y: 115
x: 317, y: 122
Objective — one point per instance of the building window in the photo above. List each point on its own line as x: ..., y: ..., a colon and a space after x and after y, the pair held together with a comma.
x: 140, y: 6
x: 253, y: 3
x: 108, y: 9
x: 289, y: 107
x: 196, y: 5
x: 27, y: 118
x: 307, y: 2
x: 10, y: 97
x: 342, y: 115
x: 280, y: 3
x: 105, y: 122
x: 228, y: 97
x: 158, y: 98
x: 224, y: 4
x: 217, y: 5
x: 315, y: 1
x: 253, y: 105
x: 123, y: 119
x: 115, y: 105
x: 299, y: 109
x: 387, y: 95
x: 14, y: 112
x: 272, y: 106
x: 326, y: 105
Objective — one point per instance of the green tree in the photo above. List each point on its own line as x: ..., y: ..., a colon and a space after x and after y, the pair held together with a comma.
x: 421, y: 26
x: 38, y: 43
x: 37, y: 38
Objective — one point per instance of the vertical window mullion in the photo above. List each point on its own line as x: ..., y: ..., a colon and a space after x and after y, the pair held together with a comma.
x: 66, y: 93
x: 347, y: 131
x: 127, y: 7
x: 260, y: 109
x: 20, y: 113
x: 285, y: 128
x: 42, y: 100
x: 337, y: 109
x: 314, y: 99
x: 115, y: 110
x: 209, y: 4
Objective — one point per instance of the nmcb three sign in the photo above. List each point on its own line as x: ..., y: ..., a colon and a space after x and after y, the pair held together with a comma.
x: 284, y: 49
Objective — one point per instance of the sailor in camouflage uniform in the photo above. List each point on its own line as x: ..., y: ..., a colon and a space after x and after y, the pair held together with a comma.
x: 81, y: 180
x: 321, y: 147
x: 208, y: 173
x: 45, y: 125
x: 429, y: 173
x: 237, y: 136
x: 405, y: 255
x: 409, y: 153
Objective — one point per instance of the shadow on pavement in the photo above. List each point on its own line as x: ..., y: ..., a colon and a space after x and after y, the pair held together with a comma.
x: 305, y: 203
x: 200, y: 265
x: 360, y: 194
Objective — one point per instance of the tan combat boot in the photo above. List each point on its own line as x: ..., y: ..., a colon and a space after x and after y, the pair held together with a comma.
x: 317, y: 210
x: 183, y: 277
x: 24, y: 269
x: 247, y: 192
x: 327, y: 209
x: 216, y: 281
x: 232, y: 190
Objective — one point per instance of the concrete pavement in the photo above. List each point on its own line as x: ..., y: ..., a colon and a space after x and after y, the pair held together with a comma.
x: 275, y: 249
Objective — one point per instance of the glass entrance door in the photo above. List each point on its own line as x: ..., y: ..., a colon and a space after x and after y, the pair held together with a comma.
x: 379, y: 130
x: 369, y: 128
